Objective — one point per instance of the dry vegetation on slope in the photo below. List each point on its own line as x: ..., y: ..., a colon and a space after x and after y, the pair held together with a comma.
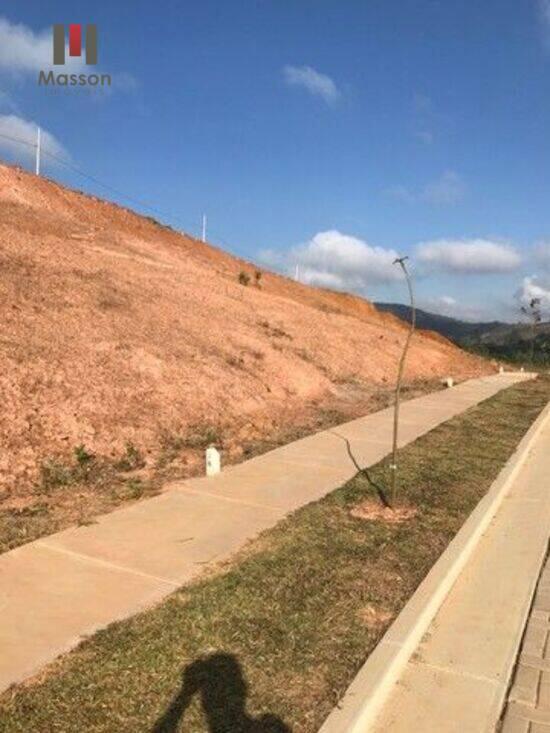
x: 141, y: 345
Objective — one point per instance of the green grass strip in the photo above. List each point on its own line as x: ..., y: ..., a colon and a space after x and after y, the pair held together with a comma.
x: 272, y: 642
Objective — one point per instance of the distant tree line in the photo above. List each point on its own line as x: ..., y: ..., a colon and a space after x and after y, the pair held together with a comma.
x: 519, y: 352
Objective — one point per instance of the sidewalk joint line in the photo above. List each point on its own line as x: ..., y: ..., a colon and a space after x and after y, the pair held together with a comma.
x: 307, y: 463
x: 105, y: 563
x: 455, y: 672
x: 196, y: 492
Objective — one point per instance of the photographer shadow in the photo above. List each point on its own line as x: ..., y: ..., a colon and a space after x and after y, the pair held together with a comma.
x: 219, y: 680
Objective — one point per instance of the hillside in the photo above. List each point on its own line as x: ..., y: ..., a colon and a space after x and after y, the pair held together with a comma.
x: 493, y: 339
x: 451, y: 328
x: 120, y: 332
x: 514, y: 334
x: 515, y: 343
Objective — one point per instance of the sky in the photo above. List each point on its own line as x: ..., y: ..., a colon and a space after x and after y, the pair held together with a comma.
x: 321, y: 138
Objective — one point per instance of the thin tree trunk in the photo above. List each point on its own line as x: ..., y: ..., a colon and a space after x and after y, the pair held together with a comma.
x: 400, y: 372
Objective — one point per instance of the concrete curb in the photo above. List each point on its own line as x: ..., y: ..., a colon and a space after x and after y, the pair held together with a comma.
x: 371, y: 687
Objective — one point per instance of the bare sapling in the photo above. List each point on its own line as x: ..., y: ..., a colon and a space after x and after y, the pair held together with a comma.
x: 393, y: 467
x: 533, y: 312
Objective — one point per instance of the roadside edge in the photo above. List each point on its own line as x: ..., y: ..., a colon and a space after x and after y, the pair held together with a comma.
x: 372, y: 685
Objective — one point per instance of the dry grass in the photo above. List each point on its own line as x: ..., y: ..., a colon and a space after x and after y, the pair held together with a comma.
x: 280, y: 633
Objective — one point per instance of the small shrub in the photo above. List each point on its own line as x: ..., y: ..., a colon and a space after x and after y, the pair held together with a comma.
x: 257, y: 277
x: 131, y: 460
x: 234, y: 361
x: 274, y: 331
x: 160, y: 224
x: 171, y: 441
x: 201, y: 436
x: 54, y: 474
x: 135, y: 488
x: 170, y: 445
x: 83, y: 457
x: 244, y: 278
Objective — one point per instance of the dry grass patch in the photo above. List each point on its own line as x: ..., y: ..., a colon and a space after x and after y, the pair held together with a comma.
x: 374, y: 616
x: 373, y: 511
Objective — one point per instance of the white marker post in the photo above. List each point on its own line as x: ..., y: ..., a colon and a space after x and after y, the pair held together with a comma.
x: 204, y: 227
x: 37, y: 169
x: 213, y: 461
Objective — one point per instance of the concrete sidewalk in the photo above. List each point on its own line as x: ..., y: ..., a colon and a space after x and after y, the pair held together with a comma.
x: 458, y: 677
x: 58, y: 589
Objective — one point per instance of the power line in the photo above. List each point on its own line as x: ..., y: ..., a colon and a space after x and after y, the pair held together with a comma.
x: 117, y: 192
x: 93, y: 179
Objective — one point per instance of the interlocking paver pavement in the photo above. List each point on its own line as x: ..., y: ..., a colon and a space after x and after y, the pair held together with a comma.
x: 528, y: 706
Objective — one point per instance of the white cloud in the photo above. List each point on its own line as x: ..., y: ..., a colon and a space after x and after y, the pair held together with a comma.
x: 468, y: 256
x: 335, y: 260
x: 449, y: 189
x: 23, y: 130
x: 445, y: 305
x: 314, y: 82
x: 533, y: 287
x: 21, y: 49
x: 24, y: 50
x: 447, y: 301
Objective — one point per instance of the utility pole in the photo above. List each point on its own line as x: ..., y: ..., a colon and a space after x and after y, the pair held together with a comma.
x: 37, y: 170
x: 204, y: 227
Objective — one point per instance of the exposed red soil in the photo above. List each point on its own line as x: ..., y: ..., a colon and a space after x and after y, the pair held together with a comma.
x: 116, y: 329
x: 374, y: 616
x: 374, y: 511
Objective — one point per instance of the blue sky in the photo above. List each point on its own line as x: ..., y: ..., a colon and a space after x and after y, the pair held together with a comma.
x: 324, y: 135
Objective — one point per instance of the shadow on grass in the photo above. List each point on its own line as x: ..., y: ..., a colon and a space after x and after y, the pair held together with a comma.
x: 219, y: 680
x: 363, y: 470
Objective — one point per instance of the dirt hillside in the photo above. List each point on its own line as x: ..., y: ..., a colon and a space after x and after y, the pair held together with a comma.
x: 117, y: 331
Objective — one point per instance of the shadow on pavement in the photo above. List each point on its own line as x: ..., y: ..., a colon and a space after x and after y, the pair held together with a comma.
x: 219, y: 680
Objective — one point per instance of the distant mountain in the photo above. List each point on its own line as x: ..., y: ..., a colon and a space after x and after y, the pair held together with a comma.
x: 508, y: 341
x: 451, y: 328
